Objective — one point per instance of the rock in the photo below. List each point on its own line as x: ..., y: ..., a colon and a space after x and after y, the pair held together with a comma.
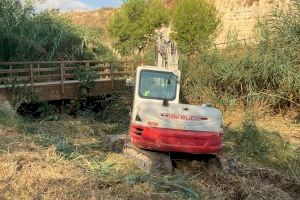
x: 5, y: 105
x: 117, y: 142
x: 149, y: 161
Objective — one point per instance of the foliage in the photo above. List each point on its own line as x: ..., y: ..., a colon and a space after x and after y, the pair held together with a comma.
x: 20, y: 94
x: 194, y: 24
x: 266, y: 72
x: 256, y: 146
x: 47, y: 35
x: 48, y: 112
x: 64, y: 148
x: 135, y: 23
x: 86, y: 77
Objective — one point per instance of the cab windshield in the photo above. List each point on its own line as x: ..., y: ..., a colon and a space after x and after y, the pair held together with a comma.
x: 158, y: 85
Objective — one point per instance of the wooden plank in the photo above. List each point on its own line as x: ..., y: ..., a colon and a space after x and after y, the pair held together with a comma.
x: 70, y: 76
x: 53, y: 69
x: 71, y: 68
x: 49, y: 77
x: 44, y: 62
x: 52, y: 92
x: 68, y: 62
x: 13, y: 71
x: 10, y: 68
x: 14, y: 79
x: 38, y: 66
x: 48, y: 92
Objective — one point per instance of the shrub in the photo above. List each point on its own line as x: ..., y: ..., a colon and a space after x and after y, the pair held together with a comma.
x: 47, y: 35
x: 266, y: 72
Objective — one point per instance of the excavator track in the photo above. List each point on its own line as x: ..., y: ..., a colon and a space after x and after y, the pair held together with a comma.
x: 161, y: 163
x: 149, y: 161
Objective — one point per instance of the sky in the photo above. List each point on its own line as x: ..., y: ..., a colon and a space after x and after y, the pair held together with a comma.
x: 77, y: 5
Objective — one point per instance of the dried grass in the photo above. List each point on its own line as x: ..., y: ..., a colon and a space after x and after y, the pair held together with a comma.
x: 43, y: 174
x: 39, y: 164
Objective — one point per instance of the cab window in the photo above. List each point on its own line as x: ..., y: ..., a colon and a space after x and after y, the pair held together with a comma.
x: 157, y: 85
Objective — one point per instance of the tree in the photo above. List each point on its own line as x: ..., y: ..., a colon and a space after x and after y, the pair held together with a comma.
x: 135, y: 23
x: 194, y: 24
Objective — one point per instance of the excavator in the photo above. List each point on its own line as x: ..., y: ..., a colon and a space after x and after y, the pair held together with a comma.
x: 160, y: 125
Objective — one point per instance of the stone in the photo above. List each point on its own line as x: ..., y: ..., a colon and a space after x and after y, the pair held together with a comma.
x: 5, y: 105
x: 149, y: 161
x: 117, y: 142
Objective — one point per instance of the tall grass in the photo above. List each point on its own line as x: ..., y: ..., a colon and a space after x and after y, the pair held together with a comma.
x: 266, y: 72
x: 258, y: 147
x: 29, y: 35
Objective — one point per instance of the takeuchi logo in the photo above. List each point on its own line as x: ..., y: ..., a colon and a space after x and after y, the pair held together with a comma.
x: 183, y: 117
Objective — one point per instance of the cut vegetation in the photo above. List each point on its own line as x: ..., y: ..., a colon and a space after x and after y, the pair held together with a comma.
x: 69, y: 159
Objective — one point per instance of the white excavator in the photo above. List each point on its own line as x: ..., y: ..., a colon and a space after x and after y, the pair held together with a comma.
x: 160, y: 125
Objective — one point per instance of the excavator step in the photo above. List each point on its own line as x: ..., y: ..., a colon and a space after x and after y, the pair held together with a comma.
x: 149, y: 161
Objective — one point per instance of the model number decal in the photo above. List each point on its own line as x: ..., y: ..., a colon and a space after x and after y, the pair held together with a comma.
x: 153, y: 123
x: 183, y: 117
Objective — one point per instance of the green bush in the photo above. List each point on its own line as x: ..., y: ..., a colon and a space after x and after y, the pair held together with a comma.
x: 86, y: 78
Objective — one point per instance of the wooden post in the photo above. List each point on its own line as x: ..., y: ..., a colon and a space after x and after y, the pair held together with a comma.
x: 10, y: 68
x: 62, y: 74
x: 111, y: 76
x: 38, y: 66
x: 31, y: 75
